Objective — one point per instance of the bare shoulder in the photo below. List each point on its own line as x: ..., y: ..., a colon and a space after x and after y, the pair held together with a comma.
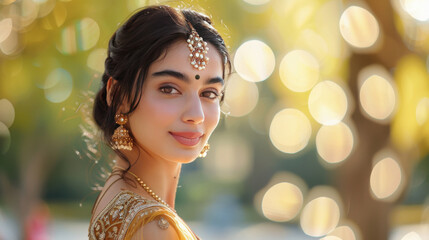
x: 155, y: 230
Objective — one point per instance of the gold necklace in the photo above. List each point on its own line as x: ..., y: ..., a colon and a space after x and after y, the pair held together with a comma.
x: 146, y: 188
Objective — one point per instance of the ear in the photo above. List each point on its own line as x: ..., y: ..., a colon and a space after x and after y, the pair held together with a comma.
x: 109, y: 86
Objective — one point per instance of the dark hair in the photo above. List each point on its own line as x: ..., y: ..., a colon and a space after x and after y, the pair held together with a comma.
x: 135, y: 45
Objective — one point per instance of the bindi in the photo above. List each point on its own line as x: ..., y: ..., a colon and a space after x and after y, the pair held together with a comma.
x: 197, y: 76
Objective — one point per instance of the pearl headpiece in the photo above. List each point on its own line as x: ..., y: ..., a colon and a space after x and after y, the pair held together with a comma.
x: 198, y: 48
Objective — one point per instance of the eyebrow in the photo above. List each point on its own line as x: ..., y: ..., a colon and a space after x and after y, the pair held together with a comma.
x: 185, y: 78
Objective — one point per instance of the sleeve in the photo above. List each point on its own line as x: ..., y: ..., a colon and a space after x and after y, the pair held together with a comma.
x: 154, y: 221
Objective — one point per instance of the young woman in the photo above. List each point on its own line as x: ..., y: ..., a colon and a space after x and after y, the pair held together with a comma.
x: 158, y: 105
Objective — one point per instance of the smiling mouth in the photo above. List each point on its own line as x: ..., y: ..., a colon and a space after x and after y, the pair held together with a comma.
x: 187, y: 138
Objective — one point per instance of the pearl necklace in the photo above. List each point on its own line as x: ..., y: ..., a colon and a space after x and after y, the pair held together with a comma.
x: 146, y: 187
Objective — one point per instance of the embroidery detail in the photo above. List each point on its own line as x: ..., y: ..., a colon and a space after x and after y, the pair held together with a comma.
x: 162, y: 223
x: 129, y: 210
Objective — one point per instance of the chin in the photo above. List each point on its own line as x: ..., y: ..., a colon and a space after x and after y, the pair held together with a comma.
x: 183, y: 158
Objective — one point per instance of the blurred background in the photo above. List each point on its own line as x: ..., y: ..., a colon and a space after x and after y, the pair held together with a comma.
x: 326, y: 134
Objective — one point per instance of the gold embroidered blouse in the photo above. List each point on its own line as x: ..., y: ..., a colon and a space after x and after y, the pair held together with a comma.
x: 127, y: 212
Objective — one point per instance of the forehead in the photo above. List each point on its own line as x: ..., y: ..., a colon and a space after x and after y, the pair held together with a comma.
x: 177, y: 58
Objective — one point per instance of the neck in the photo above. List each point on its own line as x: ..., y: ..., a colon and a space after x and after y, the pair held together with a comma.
x: 162, y: 176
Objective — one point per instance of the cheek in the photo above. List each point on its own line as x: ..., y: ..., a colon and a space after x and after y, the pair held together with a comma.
x: 212, y: 116
x: 153, y: 115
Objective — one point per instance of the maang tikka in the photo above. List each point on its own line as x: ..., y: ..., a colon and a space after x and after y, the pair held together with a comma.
x: 198, y: 48
x: 121, y: 138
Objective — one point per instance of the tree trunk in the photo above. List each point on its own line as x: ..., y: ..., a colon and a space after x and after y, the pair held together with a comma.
x: 353, y: 177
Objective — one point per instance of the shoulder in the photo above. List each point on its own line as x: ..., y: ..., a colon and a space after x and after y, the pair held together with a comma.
x: 126, y: 210
x: 155, y: 229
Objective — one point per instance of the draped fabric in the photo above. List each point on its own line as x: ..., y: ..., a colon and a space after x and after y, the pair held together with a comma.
x: 128, y: 212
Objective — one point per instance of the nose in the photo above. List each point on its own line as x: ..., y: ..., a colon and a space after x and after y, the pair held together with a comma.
x: 193, y: 111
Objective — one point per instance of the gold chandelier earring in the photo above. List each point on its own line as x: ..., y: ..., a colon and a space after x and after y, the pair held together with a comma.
x: 204, y: 151
x: 121, y: 138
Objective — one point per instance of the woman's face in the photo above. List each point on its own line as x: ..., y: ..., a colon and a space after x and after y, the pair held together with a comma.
x: 178, y: 110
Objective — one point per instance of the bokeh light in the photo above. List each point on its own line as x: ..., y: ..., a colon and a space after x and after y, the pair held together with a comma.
x: 230, y: 158
x: 418, y: 9
x: 331, y: 238
x: 327, y: 103
x: 27, y: 13
x: 320, y: 216
x: 7, y: 112
x: 282, y: 202
x: 386, y: 178
x: 56, y: 18
x: 80, y: 36
x: 334, y: 143
x: 290, y: 130
x: 377, y: 93
x: 241, y: 96
x: 58, y: 85
x: 422, y: 111
x: 4, y: 138
x: 412, y: 236
x: 347, y: 231
x: 45, y: 7
x: 10, y: 46
x: 299, y: 71
x: 254, y: 61
x: 96, y: 59
x: 359, y: 27
x: 5, y: 28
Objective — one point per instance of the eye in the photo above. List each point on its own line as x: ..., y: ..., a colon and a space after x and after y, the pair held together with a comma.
x: 168, y: 90
x: 210, y: 94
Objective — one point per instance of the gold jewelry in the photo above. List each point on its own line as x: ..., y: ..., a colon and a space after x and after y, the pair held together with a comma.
x: 198, y: 49
x: 121, y: 138
x: 204, y: 151
x: 146, y: 188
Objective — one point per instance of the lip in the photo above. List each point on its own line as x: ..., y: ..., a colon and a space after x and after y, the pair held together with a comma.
x: 187, y: 138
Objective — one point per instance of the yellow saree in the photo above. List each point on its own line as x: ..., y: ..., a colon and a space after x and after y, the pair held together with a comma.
x: 127, y: 212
